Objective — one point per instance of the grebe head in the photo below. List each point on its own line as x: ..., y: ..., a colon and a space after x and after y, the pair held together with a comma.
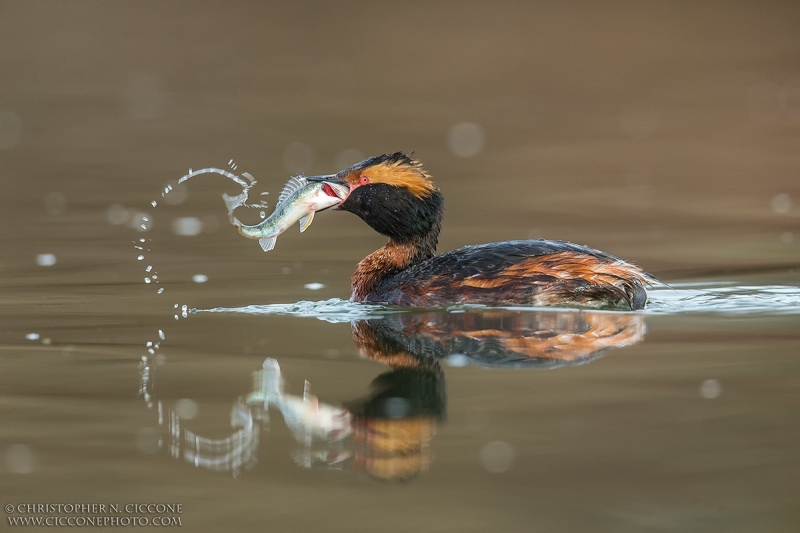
x: 394, y: 195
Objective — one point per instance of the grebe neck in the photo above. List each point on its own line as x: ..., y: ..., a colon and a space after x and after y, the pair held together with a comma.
x: 391, y: 259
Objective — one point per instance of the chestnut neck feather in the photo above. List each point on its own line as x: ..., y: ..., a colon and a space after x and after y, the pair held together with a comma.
x: 412, y: 225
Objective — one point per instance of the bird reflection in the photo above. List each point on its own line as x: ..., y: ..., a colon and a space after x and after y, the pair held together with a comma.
x: 387, y: 433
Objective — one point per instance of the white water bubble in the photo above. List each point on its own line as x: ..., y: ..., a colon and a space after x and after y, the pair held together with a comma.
x: 497, y: 457
x: 396, y: 407
x: 147, y: 280
x: 20, y: 459
x: 160, y: 290
x: 262, y: 214
x: 149, y: 268
x: 314, y: 286
x: 348, y: 158
x: 298, y: 157
x: 457, y: 360
x: 466, y: 139
x: 199, y: 278
x: 141, y: 221
x: 781, y: 204
x: 45, y: 260
x: 117, y: 214
x: 154, y: 203
x: 187, y: 226
x: 32, y: 336
x: 787, y: 237
x: 185, y: 311
x: 161, y: 335
x: 186, y: 408
x: 148, y: 440
x: 175, y: 193
x: 10, y: 129
x: 140, y: 258
x: 55, y: 203
x: 710, y: 389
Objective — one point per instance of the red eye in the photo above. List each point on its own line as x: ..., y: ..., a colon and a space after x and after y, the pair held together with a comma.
x: 364, y: 180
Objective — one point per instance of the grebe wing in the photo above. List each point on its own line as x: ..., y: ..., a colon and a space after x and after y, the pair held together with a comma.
x: 534, y: 272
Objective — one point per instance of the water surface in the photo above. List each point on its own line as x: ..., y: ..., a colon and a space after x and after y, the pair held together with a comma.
x: 662, y: 134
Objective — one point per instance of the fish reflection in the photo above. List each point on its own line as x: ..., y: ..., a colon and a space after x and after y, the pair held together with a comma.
x: 387, y: 433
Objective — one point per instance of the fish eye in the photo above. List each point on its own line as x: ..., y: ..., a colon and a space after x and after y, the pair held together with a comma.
x: 364, y: 180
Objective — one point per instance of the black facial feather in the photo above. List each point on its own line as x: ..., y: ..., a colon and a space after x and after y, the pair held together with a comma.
x: 395, y: 212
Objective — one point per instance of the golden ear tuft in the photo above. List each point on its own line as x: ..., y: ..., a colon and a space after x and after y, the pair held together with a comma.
x: 401, y: 170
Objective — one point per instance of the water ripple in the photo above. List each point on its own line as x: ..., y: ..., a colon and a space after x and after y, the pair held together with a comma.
x: 719, y: 297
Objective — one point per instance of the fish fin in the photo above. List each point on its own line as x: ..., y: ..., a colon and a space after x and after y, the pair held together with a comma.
x: 294, y: 183
x: 267, y: 243
x: 306, y: 221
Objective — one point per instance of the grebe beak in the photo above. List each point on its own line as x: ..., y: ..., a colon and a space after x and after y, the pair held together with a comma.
x: 340, y: 186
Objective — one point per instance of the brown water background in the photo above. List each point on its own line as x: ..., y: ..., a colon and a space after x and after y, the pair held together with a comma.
x: 664, y: 133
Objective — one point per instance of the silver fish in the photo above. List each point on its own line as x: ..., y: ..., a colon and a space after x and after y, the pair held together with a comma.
x: 299, y: 200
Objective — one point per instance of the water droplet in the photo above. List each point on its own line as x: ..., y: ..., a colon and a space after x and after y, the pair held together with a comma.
x: 710, y: 389
x: 160, y: 290
x: 161, y: 335
x: 262, y: 214
x: 396, y: 407
x: 186, y: 408
x: 187, y: 226
x: 466, y: 139
x: 154, y: 203
x: 199, y: 278
x: 781, y: 203
x: 497, y: 457
x: 45, y: 260
x: 147, y: 280
x: 32, y: 336
x: 314, y: 286
x: 142, y: 221
x: 149, y: 268
x: 457, y: 360
x: 140, y: 258
x: 184, y: 311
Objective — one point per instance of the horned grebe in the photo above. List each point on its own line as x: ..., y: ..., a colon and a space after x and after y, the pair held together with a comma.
x: 395, y: 196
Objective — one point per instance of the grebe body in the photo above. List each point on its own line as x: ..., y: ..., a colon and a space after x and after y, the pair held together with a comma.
x: 394, y: 195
